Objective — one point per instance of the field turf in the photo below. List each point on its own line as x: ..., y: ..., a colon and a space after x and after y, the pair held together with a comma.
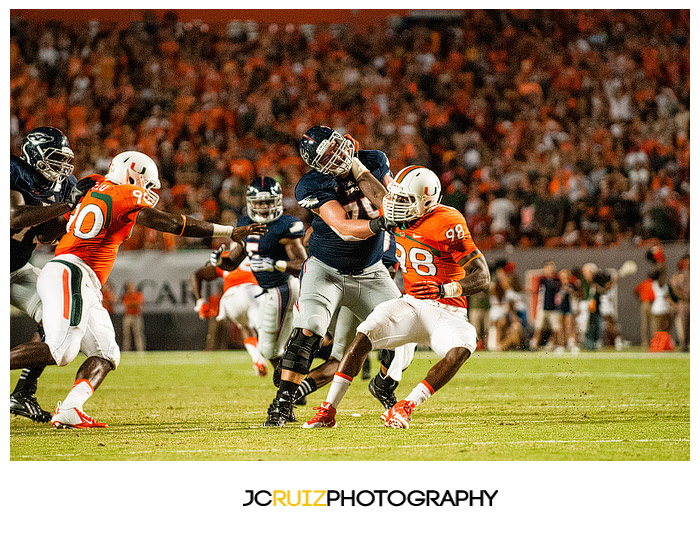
x: 508, y: 406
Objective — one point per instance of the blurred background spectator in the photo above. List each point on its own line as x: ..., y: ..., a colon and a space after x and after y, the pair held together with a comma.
x: 132, y: 324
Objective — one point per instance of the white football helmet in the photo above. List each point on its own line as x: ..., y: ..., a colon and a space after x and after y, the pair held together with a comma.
x: 414, y: 192
x: 132, y: 167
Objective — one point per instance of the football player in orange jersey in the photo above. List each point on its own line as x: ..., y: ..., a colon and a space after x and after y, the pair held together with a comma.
x: 441, y: 265
x: 69, y: 285
x: 238, y: 303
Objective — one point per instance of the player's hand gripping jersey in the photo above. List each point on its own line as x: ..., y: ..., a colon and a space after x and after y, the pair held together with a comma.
x: 100, y: 224
x: 431, y: 248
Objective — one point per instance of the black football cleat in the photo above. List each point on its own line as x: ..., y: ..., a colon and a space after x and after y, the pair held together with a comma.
x: 26, y: 405
x: 383, y: 390
x: 366, y: 369
x: 279, y: 413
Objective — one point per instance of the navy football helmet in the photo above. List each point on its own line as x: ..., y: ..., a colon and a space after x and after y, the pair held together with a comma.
x: 327, y: 151
x: 264, y: 200
x: 47, y: 150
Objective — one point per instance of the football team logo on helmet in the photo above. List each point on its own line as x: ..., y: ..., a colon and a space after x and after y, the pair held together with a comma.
x: 264, y: 200
x: 47, y: 150
x: 132, y: 167
x: 327, y: 151
x: 414, y: 192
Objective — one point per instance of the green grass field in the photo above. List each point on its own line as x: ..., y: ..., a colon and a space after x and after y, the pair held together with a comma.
x: 510, y: 406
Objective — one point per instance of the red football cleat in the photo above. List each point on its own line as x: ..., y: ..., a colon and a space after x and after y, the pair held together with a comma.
x: 324, y: 418
x: 399, y: 415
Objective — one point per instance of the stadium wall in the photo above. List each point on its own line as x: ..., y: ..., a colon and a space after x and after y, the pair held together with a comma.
x: 171, y: 322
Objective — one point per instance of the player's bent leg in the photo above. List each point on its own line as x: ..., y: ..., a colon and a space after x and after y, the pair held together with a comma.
x: 349, y: 368
x: 300, y: 351
x: 31, y: 354
x: 399, y: 415
x: 69, y: 413
x: 382, y: 386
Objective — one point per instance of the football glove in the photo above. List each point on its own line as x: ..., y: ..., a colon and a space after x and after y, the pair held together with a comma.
x: 215, y: 257
x: 202, y: 308
x: 430, y: 290
x: 355, y: 143
x: 78, y: 191
x: 381, y: 224
x: 427, y: 290
x: 262, y: 264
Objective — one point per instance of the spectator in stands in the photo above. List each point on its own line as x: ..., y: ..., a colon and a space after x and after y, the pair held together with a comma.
x: 479, y: 305
x: 645, y: 293
x: 548, y: 315
x: 575, y: 125
x: 567, y: 304
x: 680, y: 292
x: 132, y: 324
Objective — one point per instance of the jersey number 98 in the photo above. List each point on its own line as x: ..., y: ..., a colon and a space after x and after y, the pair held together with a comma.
x: 421, y: 260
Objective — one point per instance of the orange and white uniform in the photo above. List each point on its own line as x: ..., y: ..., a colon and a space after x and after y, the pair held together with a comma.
x: 430, y: 249
x: 238, y: 302
x: 69, y: 285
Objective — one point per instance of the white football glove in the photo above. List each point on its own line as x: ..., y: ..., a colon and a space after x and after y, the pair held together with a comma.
x: 262, y: 264
x: 215, y: 257
x: 198, y: 305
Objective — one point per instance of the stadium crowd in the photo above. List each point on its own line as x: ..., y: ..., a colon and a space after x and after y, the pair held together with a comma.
x: 559, y: 128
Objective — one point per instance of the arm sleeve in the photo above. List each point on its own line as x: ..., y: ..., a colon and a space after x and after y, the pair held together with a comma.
x: 452, y: 240
x: 294, y: 228
x: 313, y: 191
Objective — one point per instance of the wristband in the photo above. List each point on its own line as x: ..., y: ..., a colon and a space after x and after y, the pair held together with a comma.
x: 184, y: 224
x: 281, y: 266
x: 374, y: 225
x: 452, y: 290
x: 221, y: 231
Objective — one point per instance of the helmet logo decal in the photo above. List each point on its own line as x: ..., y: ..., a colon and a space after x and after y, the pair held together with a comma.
x: 39, y: 137
x: 133, y: 164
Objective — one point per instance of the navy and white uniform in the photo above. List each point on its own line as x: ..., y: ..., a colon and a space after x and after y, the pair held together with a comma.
x: 280, y: 289
x: 23, y: 276
x: 342, y: 272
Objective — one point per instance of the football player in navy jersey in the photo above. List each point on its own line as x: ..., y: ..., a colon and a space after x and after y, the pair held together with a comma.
x: 42, y: 190
x: 346, y: 247
x: 275, y: 258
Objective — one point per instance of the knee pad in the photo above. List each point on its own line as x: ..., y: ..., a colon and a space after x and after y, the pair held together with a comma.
x: 386, y: 357
x: 300, y: 351
x: 324, y: 352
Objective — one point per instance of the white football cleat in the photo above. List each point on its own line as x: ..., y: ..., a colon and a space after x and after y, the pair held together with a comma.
x: 399, y: 415
x: 73, y: 418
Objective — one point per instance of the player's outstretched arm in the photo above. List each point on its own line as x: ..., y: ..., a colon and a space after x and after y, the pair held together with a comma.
x: 477, y: 276
x: 228, y: 259
x: 183, y: 226
x: 22, y: 215
x: 349, y: 230
x: 371, y: 187
x: 297, y: 256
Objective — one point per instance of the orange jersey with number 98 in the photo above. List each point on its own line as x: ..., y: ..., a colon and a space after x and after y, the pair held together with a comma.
x: 431, y: 248
x: 101, y: 223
